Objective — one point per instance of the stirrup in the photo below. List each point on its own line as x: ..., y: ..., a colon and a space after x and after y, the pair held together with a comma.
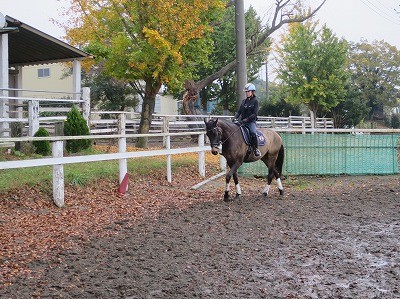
x: 257, y: 152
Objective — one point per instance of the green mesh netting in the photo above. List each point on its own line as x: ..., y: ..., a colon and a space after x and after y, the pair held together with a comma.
x: 312, y: 154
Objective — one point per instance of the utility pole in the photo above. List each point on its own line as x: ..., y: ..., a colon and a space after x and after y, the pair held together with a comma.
x: 241, y: 67
x: 266, y: 81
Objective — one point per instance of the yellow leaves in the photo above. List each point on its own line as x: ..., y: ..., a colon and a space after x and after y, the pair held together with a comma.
x: 156, y: 33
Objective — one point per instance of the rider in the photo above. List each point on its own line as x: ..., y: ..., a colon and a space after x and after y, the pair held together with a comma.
x: 248, y: 112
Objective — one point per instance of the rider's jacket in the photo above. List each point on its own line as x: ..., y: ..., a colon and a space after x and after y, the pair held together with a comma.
x: 248, y: 109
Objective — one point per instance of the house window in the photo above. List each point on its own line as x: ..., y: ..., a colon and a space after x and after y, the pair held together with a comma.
x: 43, y: 73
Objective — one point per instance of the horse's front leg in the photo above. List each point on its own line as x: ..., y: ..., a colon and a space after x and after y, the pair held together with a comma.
x: 270, y: 176
x: 232, y: 172
x: 237, y: 185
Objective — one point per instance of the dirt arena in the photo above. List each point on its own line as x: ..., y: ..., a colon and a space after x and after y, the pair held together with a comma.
x: 336, y: 237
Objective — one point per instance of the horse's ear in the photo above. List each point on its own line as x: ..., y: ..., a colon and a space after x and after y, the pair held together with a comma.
x: 216, y: 121
x: 205, y: 120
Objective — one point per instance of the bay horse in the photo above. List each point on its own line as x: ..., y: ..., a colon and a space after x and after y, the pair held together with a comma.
x: 236, y: 152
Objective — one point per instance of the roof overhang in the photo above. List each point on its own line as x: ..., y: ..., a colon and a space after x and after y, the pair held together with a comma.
x: 29, y: 46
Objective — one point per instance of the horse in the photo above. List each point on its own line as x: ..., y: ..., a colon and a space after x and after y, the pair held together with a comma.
x: 236, y: 152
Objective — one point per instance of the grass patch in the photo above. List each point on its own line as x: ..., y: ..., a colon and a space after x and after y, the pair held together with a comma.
x: 81, y: 174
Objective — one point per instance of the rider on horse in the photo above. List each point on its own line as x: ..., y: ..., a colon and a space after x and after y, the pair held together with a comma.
x: 248, y: 112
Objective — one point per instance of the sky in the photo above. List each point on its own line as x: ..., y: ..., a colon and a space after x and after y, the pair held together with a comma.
x: 352, y: 19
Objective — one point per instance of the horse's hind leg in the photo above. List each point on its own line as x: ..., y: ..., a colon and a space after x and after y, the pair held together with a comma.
x: 279, y: 182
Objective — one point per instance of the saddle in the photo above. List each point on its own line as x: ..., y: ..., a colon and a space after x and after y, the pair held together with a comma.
x: 246, y: 136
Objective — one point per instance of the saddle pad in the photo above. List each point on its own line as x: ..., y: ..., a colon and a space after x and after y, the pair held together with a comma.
x: 246, y: 136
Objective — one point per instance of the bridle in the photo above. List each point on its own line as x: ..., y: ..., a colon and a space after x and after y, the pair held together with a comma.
x: 219, y: 137
x: 219, y: 134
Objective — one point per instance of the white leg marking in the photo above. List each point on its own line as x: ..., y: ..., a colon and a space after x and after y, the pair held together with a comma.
x: 238, y: 189
x: 266, y: 189
x: 280, y: 187
x: 227, y: 187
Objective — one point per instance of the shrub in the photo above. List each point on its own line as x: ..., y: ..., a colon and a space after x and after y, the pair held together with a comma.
x: 76, y: 125
x: 42, y: 147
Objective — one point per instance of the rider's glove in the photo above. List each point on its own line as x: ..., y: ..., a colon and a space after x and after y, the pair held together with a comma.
x: 245, y: 120
x: 235, y: 121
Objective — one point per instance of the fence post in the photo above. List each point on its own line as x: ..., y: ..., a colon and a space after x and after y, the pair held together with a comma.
x: 58, y: 174
x: 86, y: 104
x: 169, y: 161
x: 202, y: 157
x: 123, y: 163
x: 165, y: 129
x: 33, y: 117
x: 222, y: 162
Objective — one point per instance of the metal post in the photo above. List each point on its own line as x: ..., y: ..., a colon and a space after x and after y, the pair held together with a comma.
x: 76, y: 79
x: 4, y: 125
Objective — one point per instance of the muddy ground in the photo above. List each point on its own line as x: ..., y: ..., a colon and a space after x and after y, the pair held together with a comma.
x: 325, y: 238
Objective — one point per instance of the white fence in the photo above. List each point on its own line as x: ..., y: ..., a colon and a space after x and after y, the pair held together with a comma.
x: 37, y: 111
x: 58, y: 161
x: 178, y: 123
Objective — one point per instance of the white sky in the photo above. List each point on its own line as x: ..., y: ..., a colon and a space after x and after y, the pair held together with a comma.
x: 351, y: 19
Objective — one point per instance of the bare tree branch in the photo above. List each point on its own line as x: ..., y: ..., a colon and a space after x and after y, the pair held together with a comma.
x: 285, y: 17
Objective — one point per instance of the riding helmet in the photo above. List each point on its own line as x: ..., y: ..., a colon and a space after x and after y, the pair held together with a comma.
x: 249, y: 86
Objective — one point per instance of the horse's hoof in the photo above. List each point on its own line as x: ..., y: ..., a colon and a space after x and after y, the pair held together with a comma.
x: 281, y: 192
x: 227, y: 197
x: 265, y: 194
x: 237, y: 195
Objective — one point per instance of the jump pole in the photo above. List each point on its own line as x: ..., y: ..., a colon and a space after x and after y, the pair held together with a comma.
x: 222, y: 165
x: 195, y: 187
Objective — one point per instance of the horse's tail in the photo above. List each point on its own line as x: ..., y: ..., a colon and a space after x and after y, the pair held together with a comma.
x: 279, y: 160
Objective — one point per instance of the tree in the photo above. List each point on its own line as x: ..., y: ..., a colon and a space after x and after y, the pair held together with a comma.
x: 151, y: 42
x: 351, y: 111
x: 286, y: 12
x: 375, y: 74
x: 223, y: 90
x: 108, y: 93
x: 145, y: 42
x: 313, y: 67
x: 276, y: 105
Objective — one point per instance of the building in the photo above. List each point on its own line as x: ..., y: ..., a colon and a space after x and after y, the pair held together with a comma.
x: 24, y: 52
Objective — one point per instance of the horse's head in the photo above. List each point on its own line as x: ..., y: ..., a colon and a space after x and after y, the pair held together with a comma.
x: 214, y: 133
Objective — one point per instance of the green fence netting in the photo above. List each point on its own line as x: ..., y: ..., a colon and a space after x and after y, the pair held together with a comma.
x: 332, y: 154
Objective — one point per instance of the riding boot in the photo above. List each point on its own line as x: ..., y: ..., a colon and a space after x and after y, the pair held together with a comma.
x: 255, y: 145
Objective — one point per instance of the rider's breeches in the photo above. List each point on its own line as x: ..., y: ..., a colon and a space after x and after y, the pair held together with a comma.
x: 253, y: 134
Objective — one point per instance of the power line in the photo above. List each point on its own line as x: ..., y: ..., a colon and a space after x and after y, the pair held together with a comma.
x: 379, y: 11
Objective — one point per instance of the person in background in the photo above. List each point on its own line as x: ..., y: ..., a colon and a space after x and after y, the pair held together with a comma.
x: 248, y: 112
